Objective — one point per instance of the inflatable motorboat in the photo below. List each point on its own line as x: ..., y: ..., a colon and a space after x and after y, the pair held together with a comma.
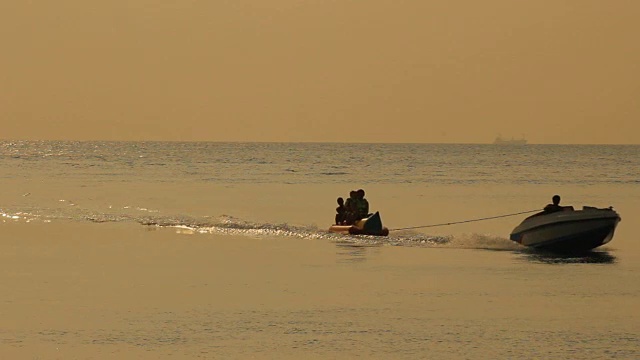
x: 367, y: 226
x: 569, y: 230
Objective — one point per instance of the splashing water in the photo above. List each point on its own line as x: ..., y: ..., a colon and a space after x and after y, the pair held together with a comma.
x: 227, y: 225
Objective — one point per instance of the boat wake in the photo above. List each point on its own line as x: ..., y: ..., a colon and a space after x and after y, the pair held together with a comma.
x: 233, y: 226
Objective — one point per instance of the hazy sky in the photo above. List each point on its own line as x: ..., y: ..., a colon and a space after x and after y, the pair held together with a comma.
x: 558, y: 71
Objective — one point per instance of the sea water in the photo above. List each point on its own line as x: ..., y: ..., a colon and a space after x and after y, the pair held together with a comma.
x: 492, y: 298
x: 290, y: 189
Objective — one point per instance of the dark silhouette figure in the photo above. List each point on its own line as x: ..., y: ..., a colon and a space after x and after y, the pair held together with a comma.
x: 362, y: 205
x: 352, y: 208
x: 554, y: 206
x: 341, y: 212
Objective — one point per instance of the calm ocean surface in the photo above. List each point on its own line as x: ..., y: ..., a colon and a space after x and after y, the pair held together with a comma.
x: 300, y: 163
x: 485, y: 297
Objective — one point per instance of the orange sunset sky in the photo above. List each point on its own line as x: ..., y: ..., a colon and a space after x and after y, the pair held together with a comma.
x: 321, y: 70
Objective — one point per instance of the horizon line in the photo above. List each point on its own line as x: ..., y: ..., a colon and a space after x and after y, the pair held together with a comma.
x: 315, y: 142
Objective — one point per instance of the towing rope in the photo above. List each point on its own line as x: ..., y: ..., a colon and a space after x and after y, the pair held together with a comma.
x: 465, y: 221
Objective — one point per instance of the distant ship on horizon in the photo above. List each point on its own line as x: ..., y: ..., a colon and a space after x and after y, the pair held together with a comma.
x: 501, y: 141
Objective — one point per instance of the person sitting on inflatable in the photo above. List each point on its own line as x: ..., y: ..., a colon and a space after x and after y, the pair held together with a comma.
x: 341, y: 212
x: 362, y: 205
x: 352, y: 208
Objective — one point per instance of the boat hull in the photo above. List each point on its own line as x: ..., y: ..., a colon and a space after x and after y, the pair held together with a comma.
x: 570, y: 231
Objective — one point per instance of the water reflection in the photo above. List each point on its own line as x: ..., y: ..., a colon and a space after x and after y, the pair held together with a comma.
x: 353, y: 253
x: 593, y: 257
